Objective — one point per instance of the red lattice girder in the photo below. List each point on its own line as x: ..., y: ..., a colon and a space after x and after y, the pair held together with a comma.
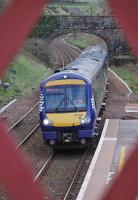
x: 125, y: 186
x: 15, y: 25
x: 15, y: 175
x: 127, y: 15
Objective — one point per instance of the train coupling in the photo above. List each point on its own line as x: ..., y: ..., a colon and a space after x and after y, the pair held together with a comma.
x: 52, y: 142
x: 67, y: 137
x: 83, y: 141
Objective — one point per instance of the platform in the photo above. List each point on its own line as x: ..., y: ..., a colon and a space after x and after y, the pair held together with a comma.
x: 117, y: 140
x: 131, y: 108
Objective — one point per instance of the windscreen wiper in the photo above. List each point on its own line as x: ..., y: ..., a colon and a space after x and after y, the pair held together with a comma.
x: 76, y: 109
x: 62, y: 100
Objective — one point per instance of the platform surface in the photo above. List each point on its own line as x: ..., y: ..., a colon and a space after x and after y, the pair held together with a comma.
x: 131, y: 107
x: 116, y: 143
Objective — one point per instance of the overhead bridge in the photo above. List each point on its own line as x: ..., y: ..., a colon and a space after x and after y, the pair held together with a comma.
x: 102, y: 26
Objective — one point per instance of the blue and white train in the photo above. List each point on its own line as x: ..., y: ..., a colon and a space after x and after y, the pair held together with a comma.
x: 70, y: 99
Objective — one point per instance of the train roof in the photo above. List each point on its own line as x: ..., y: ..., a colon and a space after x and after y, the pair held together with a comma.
x: 89, y: 62
x: 85, y: 66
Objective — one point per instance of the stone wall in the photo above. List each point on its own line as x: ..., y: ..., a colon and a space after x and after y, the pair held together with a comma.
x: 102, y: 26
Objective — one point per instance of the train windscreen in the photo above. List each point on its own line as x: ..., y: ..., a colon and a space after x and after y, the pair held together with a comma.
x: 65, y: 98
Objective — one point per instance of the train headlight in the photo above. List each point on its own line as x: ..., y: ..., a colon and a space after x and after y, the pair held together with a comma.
x: 83, y: 121
x: 87, y: 120
x: 47, y: 122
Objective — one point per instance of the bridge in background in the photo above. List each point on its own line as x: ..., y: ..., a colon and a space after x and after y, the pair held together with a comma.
x: 102, y: 26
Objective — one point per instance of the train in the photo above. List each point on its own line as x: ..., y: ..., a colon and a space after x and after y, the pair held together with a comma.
x: 71, y: 99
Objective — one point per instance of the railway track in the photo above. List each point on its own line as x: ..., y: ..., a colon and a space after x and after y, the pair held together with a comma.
x: 28, y: 136
x: 56, y: 64
x: 63, y: 173
x: 72, y: 46
x: 72, y: 51
x: 25, y: 126
x: 73, y: 188
x: 71, y: 184
x: 40, y: 156
x: 45, y: 166
x: 13, y: 127
x: 63, y: 182
x: 65, y: 54
x: 65, y: 51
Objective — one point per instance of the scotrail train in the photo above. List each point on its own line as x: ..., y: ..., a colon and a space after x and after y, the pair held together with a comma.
x: 70, y: 99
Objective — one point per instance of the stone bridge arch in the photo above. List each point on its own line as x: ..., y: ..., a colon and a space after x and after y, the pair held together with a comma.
x: 102, y: 26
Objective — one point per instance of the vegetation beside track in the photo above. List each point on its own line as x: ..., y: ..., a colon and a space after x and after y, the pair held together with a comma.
x: 82, y: 44
x: 128, y: 76
x: 79, y: 7
x: 83, y: 40
x: 24, y: 75
x: 44, y: 28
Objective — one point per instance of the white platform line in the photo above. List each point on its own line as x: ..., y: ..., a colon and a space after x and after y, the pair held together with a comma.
x: 92, y: 165
x: 110, y: 139
x: 5, y: 107
x: 130, y: 91
x: 131, y: 111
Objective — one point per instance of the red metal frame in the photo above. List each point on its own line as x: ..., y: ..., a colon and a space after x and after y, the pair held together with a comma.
x: 125, y: 186
x: 15, y: 175
x: 15, y: 25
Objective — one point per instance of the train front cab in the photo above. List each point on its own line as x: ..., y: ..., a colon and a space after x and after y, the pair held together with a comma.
x: 67, y: 112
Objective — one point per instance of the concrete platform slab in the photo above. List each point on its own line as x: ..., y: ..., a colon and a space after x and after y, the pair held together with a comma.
x: 131, y: 108
x: 117, y: 140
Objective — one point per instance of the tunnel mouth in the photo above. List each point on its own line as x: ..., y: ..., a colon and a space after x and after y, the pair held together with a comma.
x: 83, y: 40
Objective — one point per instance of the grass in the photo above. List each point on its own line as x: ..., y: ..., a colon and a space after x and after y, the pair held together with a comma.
x: 79, y: 4
x: 82, y: 44
x: 85, y: 40
x: 130, y: 78
x: 124, y: 73
x: 55, y: 10
x: 90, y: 7
x: 27, y: 77
x: 67, y: 10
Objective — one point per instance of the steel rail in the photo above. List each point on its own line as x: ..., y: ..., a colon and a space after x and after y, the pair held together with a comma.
x: 62, y: 45
x: 65, y: 53
x: 28, y: 136
x: 73, y: 54
x: 12, y: 127
x: 61, y: 56
x: 72, y: 46
x: 44, y: 166
x: 75, y: 176
x: 73, y: 49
